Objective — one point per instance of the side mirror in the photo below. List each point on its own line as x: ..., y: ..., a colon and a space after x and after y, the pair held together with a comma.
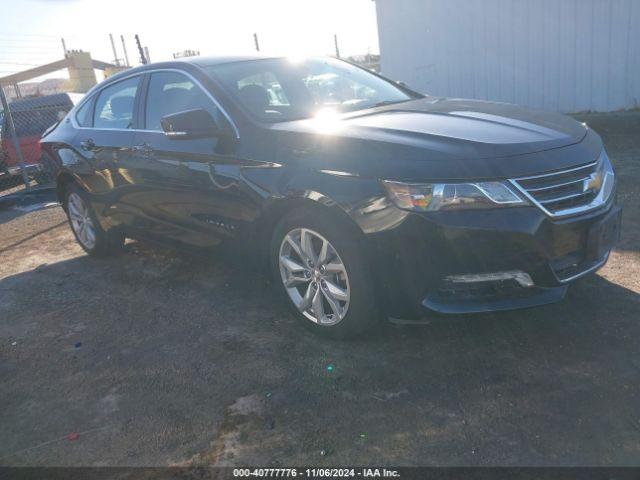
x: 197, y: 123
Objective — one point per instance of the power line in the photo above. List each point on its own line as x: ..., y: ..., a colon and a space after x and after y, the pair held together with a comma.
x: 30, y: 60
x: 7, y: 34
x: 14, y: 44
x: 20, y: 63
x: 31, y: 63
x: 22, y: 43
x: 27, y: 54
x: 26, y: 47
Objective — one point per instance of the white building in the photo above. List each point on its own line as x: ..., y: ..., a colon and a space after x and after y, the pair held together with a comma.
x: 563, y: 55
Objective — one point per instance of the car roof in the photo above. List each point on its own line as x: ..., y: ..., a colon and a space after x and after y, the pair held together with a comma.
x: 177, y: 63
x: 220, y: 59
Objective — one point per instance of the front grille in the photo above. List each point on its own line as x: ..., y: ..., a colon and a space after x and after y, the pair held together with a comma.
x: 564, y: 192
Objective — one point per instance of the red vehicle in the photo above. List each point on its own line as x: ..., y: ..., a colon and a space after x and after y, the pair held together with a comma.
x: 31, y: 117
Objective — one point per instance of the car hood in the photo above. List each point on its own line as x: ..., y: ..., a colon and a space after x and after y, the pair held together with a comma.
x: 446, y: 137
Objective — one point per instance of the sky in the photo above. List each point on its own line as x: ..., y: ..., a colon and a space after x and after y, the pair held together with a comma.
x: 30, y: 30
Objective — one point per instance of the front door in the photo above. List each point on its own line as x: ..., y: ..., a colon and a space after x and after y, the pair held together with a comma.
x: 185, y: 199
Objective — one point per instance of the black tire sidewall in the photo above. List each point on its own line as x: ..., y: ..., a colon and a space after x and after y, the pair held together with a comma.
x: 362, y: 315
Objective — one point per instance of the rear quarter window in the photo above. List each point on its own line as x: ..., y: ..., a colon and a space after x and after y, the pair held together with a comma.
x: 115, y: 105
x: 84, y: 115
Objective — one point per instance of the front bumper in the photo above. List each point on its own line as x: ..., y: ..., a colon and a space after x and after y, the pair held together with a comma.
x: 429, y: 250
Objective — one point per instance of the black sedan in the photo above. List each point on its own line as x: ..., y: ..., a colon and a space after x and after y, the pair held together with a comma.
x: 369, y: 200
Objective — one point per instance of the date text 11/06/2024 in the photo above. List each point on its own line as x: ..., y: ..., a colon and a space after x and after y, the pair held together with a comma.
x: 316, y: 472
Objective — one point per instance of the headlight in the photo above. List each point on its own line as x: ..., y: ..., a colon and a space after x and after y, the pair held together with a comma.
x: 606, y: 176
x: 424, y: 197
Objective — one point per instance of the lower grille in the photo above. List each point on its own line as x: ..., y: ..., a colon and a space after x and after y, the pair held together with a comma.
x: 483, y: 291
x: 577, y: 269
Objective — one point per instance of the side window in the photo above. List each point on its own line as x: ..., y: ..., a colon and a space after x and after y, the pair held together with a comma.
x: 173, y: 92
x: 83, y: 115
x: 114, y: 106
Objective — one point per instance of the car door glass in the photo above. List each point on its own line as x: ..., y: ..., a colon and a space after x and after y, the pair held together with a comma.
x: 83, y: 115
x: 114, y: 107
x: 173, y: 92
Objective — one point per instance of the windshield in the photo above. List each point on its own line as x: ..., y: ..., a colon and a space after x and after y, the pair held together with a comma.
x: 278, y: 90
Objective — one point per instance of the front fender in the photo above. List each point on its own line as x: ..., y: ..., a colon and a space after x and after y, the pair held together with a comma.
x: 361, y: 200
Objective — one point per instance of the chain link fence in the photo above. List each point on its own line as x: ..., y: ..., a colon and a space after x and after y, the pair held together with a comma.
x: 24, y: 167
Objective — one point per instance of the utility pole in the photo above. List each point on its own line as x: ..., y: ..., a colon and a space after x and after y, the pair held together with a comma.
x: 115, y: 54
x: 124, y: 47
x: 255, y: 40
x: 143, y: 59
x: 14, y: 137
x: 335, y: 42
x: 64, y: 48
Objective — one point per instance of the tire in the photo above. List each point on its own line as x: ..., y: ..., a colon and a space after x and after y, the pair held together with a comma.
x: 92, y: 238
x: 355, y: 316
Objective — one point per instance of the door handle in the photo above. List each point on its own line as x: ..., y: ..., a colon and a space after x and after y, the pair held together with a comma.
x: 143, y: 148
x: 88, y: 145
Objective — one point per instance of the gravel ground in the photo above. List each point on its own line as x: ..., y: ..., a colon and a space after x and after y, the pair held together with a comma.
x: 156, y: 358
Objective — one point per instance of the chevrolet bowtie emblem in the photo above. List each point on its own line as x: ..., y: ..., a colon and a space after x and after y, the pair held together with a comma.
x: 594, y: 182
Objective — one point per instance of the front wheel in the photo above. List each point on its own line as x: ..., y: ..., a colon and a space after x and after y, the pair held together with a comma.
x: 85, y: 226
x: 319, y: 266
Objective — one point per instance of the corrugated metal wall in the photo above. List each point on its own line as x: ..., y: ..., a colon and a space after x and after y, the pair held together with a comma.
x: 563, y: 55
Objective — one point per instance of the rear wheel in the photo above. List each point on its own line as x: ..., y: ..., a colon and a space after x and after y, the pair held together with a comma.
x: 320, y: 268
x: 85, y: 226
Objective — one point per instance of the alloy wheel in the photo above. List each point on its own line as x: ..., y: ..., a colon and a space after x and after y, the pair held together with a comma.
x: 314, y: 276
x: 81, y: 221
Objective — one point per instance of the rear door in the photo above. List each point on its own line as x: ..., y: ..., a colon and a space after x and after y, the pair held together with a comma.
x: 181, y: 202
x: 105, y: 137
